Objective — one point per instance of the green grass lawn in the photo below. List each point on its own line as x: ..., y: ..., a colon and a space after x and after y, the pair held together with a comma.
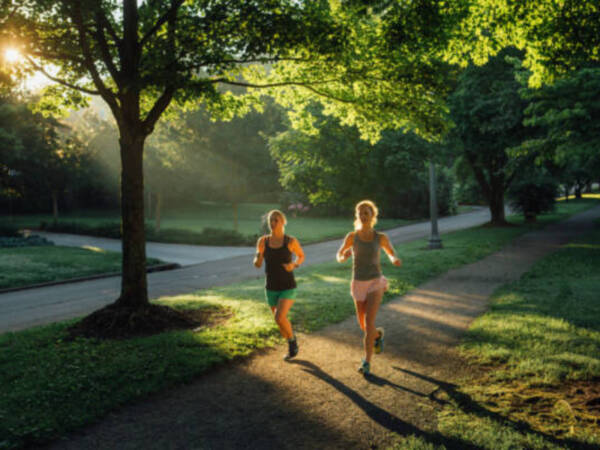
x: 541, y: 344
x: 539, y: 350
x: 23, y: 266
x: 49, y: 386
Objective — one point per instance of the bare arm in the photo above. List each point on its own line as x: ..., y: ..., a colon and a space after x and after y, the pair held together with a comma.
x: 260, y: 250
x: 296, y: 249
x: 389, y: 249
x: 345, y: 250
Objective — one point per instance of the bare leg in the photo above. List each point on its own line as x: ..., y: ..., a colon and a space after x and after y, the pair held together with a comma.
x: 372, y: 306
x: 280, y: 313
x: 361, y: 309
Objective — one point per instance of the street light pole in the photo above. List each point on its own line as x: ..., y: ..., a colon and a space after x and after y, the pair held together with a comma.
x: 434, y: 238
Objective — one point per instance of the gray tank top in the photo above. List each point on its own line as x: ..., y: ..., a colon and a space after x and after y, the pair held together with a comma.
x: 366, y: 264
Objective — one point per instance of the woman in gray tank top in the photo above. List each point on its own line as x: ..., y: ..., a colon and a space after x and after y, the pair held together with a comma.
x: 368, y: 283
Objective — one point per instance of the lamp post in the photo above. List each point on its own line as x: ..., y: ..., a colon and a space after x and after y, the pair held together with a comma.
x: 434, y: 237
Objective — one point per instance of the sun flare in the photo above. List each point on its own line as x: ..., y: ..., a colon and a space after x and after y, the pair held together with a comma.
x: 12, y: 55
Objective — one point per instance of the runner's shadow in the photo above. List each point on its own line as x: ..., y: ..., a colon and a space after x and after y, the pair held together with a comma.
x: 468, y: 405
x: 381, y: 416
x: 374, y: 379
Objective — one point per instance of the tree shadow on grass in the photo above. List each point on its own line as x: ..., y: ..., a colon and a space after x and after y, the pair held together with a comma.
x: 380, y: 415
x: 468, y: 405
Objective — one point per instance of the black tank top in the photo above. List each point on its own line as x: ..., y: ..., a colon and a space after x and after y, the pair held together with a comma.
x: 278, y: 279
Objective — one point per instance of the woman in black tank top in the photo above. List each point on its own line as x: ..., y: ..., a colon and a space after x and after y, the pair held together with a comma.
x: 276, y: 249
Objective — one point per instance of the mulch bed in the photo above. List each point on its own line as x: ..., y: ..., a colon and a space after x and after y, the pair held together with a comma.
x: 121, y: 322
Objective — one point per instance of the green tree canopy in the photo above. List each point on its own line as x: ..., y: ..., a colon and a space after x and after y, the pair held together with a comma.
x: 558, y: 37
x: 567, y: 117
x: 38, y: 157
x: 336, y: 168
x: 391, y: 74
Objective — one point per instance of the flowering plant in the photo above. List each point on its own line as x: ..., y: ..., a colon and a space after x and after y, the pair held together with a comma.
x: 297, y: 208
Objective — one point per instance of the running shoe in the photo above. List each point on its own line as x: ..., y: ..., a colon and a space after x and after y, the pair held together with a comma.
x: 364, y: 367
x: 292, y: 349
x: 379, y: 341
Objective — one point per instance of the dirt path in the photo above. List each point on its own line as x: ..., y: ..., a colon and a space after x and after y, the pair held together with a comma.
x: 319, y: 400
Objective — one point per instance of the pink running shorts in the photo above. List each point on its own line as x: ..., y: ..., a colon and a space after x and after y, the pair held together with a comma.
x: 359, y: 289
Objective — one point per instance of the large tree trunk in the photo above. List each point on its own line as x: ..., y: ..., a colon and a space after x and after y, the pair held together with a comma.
x: 132, y: 314
x: 134, y: 292
x: 497, y: 207
x: 493, y: 191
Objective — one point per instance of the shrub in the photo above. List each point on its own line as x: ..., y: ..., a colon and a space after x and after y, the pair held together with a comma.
x: 533, y: 194
x: 230, y: 237
x: 8, y: 230
x: 208, y: 236
x: 29, y: 241
x: 109, y: 229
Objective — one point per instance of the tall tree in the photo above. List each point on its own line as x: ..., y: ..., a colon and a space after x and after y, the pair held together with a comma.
x: 139, y: 56
x: 488, y: 112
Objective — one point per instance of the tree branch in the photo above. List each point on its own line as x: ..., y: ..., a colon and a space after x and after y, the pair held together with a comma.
x: 58, y: 80
x: 107, y: 95
x: 106, y: 23
x: 158, y: 108
x: 160, y: 22
x: 268, y: 85
x: 327, y: 95
x: 106, y: 56
x: 262, y: 60
x: 308, y: 86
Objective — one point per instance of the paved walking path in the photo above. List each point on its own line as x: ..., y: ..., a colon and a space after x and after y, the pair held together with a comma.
x: 26, y: 308
x: 319, y: 400
x: 182, y: 254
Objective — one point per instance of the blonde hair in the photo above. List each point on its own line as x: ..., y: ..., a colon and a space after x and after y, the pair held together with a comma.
x: 275, y: 212
x: 370, y: 205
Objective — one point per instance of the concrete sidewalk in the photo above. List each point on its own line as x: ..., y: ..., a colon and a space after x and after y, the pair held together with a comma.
x: 30, y: 307
x: 319, y: 401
